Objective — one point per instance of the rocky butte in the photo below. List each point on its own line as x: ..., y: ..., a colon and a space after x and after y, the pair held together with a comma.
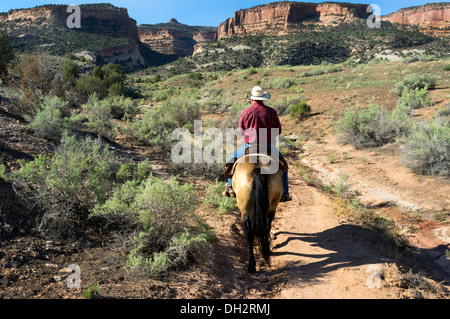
x: 433, y: 19
x: 281, y: 18
x: 175, y: 38
x: 46, y: 27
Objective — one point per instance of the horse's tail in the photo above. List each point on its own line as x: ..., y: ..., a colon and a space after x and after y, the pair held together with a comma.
x: 261, y: 207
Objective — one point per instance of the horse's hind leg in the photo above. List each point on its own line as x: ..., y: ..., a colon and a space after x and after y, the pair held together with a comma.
x: 271, y: 217
x: 250, y: 237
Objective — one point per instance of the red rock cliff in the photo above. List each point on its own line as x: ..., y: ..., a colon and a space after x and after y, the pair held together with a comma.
x: 102, y: 19
x: 433, y: 18
x: 282, y: 17
x: 175, y: 38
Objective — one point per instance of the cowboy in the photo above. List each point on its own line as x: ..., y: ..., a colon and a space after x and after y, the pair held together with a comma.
x: 258, y: 116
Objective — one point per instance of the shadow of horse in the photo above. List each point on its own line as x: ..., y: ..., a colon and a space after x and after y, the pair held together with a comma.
x: 343, y: 246
x: 353, y: 246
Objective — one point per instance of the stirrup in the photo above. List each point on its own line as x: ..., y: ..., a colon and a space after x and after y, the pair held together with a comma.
x: 229, y: 192
x: 285, y: 198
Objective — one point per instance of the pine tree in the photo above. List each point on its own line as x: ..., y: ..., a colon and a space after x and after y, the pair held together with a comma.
x: 6, y: 54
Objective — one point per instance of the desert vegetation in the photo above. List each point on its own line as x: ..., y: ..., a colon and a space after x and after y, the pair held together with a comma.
x: 313, y: 45
x: 83, y: 186
x: 425, y: 142
x: 92, y: 117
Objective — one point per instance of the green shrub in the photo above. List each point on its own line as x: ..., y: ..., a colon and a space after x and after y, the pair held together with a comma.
x: 49, y: 122
x: 415, y: 99
x: 87, y: 85
x: 446, y: 67
x: 427, y: 149
x: 445, y: 111
x: 161, y: 95
x: 122, y: 107
x: 234, y: 113
x: 116, y: 89
x: 422, y: 57
x: 300, y: 110
x: 170, y: 233
x: 98, y: 114
x: 154, y: 128
x: 71, y: 71
x: 7, y: 54
x: 195, y: 76
x: 183, y: 111
x: 108, y: 80
x: 156, y: 78
x: 282, y: 83
x: 165, y: 209
x: 158, y: 122
x: 214, y: 197
x: 401, y: 120
x: 217, y: 99
x: 283, y: 104
x: 368, y: 127
x: 252, y: 71
x: 91, y: 291
x: 67, y: 185
x: 321, y: 70
x: 413, y: 81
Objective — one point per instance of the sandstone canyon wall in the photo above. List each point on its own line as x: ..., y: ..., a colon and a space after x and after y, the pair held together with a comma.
x: 174, y: 38
x: 106, y: 20
x: 433, y: 19
x: 280, y: 18
x: 101, y: 19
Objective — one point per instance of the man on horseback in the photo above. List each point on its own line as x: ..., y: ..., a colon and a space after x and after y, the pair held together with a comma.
x: 259, y: 116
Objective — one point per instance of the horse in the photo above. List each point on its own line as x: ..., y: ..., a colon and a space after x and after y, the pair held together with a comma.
x: 257, y: 197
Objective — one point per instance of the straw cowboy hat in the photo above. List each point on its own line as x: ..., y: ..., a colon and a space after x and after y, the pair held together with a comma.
x: 259, y: 95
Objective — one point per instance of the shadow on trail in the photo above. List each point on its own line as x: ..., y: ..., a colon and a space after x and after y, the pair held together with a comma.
x: 342, y: 246
x: 335, y: 248
x: 346, y: 246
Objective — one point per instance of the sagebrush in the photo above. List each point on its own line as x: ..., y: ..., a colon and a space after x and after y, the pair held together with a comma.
x: 170, y: 234
x: 427, y: 149
x: 365, y: 127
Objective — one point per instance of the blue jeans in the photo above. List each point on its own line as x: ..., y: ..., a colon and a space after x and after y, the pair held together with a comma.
x: 241, y: 152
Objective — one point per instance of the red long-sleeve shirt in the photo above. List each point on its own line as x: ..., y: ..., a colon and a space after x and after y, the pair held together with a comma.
x: 256, y: 117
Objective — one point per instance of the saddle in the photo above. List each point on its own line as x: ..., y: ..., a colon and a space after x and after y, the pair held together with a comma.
x: 253, y: 150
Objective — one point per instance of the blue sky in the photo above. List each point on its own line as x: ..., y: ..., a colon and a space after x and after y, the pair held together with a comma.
x: 194, y: 12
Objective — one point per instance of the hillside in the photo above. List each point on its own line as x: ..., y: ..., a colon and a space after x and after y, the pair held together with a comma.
x: 298, y: 33
x: 110, y: 188
x: 285, y: 17
x: 279, y: 33
x: 314, y: 45
x: 353, y: 208
x: 433, y: 18
x: 107, y: 33
x: 175, y: 38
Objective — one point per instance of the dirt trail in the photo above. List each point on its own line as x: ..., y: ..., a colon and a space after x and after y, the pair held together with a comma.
x: 321, y: 257
x: 315, y: 256
x: 379, y: 175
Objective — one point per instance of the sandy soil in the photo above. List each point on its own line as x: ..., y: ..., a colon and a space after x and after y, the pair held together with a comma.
x: 316, y: 254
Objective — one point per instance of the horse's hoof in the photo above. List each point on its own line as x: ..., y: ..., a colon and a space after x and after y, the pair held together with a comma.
x: 251, y: 269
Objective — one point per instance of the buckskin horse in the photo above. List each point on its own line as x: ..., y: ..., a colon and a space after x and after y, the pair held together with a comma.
x: 257, y: 195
